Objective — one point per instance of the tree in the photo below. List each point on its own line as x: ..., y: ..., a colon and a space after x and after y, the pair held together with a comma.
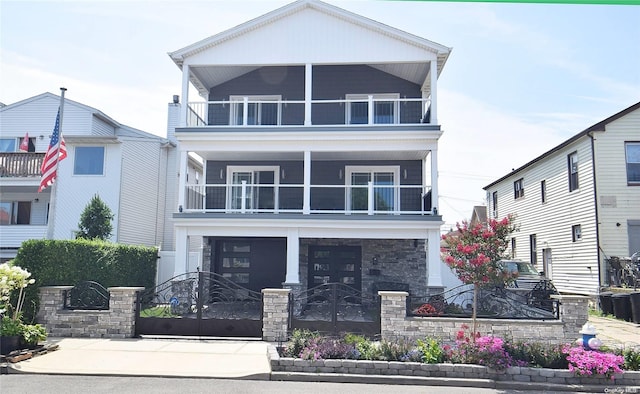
x: 95, y: 221
x: 473, y: 253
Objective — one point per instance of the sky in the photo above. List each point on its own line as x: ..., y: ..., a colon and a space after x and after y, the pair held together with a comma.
x: 521, y: 78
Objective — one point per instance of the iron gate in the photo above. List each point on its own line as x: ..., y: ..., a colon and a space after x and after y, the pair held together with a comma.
x: 199, y: 304
x: 335, y: 308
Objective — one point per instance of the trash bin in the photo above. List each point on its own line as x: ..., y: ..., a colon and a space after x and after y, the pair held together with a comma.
x: 606, y: 304
x: 622, y: 306
x: 635, y: 306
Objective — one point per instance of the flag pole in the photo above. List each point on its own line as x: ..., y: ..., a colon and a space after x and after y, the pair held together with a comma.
x: 54, y: 188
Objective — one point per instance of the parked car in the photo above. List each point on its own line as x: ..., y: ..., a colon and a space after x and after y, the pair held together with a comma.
x: 527, y: 276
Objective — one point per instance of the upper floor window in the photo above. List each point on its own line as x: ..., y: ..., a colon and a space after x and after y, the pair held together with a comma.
x: 576, y: 233
x: 253, y: 188
x: 632, y: 157
x: 8, y: 145
x: 89, y: 160
x: 255, y: 110
x: 384, y: 182
x: 543, y: 191
x: 494, y: 204
x: 572, y: 164
x: 385, y: 108
x: 15, y: 212
x: 518, y: 188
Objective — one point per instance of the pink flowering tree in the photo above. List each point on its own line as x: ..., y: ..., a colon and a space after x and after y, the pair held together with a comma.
x: 474, y: 251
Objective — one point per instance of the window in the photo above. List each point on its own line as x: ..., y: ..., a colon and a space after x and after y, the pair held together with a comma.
x: 632, y: 157
x: 235, y: 261
x: 513, y: 248
x: 7, y: 144
x: 259, y: 190
x: 89, y: 160
x: 543, y: 191
x: 385, y: 108
x: 494, y: 204
x: 533, y: 246
x: 518, y: 188
x: 15, y: 212
x: 576, y: 233
x: 385, y: 190
x: 572, y: 163
x: 261, y: 110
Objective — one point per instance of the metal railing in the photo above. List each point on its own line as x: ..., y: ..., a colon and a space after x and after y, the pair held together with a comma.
x: 370, y: 111
x: 367, y: 199
x: 20, y: 164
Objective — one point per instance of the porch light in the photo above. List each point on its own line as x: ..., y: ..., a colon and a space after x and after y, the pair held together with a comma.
x: 340, y: 174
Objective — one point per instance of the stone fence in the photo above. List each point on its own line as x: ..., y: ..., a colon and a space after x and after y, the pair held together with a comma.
x: 117, y: 322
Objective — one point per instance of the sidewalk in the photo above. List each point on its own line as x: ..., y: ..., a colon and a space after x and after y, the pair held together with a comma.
x: 615, y: 332
x: 152, y: 357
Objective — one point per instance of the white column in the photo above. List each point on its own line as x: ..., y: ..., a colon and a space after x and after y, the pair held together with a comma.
x: 185, y: 96
x: 434, y: 178
x: 434, y: 91
x: 434, y: 264
x: 182, y: 251
x: 308, y: 79
x: 293, y: 257
x: 182, y: 179
x: 306, y: 203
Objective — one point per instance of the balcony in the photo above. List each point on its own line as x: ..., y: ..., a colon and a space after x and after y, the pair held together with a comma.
x: 363, y: 110
x: 367, y: 199
x: 20, y: 164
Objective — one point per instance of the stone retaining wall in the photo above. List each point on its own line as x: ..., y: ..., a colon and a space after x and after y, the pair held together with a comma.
x: 512, y: 374
x: 117, y: 322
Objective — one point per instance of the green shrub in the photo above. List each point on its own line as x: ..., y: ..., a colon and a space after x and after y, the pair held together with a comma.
x: 365, y: 348
x: 538, y: 354
x: 432, y: 352
x: 69, y: 262
x: 299, y: 340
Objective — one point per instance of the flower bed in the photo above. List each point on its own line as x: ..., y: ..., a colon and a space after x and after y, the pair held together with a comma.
x: 472, y: 356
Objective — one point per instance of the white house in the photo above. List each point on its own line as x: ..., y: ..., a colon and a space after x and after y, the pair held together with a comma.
x: 127, y: 168
x: 577, y: 204
x: 318, y: 129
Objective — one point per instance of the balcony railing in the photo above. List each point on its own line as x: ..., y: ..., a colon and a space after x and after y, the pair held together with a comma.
x: 370, y: 111
x: 20, y: 164
x: 367, y: 199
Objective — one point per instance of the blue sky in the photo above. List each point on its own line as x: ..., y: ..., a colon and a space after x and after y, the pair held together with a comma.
x: 521, y: 77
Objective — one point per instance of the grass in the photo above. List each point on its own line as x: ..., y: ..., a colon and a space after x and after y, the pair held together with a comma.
x: 158, y: 311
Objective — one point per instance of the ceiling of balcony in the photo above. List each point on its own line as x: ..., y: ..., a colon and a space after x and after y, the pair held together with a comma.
x: 318, y: 156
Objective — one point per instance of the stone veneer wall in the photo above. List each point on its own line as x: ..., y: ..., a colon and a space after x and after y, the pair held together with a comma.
x: 403, y: 261
x: 117, y: 322
x: 396, y: 325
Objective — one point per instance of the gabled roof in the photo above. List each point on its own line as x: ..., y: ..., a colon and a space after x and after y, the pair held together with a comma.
x: 600, y: 126
x: 440, y: 51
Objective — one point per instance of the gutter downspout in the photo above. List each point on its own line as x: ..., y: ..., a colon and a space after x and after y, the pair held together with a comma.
x: 595, y: 196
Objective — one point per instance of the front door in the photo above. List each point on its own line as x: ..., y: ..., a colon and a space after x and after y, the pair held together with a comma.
x: 329, y: 264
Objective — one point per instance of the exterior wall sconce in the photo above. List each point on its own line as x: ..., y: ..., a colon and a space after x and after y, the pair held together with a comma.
x: 221, y: 173
x: 180, y: 208
x: 404, y: 173
x: 340, y: 174
x: 282, y: 175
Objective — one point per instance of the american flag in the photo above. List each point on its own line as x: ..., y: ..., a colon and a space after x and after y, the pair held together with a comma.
x: 57, y: 148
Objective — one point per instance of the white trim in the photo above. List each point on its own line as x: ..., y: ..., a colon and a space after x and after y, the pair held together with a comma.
x: 252, y: 99
x: 349, y: 170
x: 253, y: 169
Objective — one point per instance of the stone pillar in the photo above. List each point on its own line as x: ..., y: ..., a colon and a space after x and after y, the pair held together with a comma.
x: 393, y: 311
x: 122, y: 308
x: 51, y: 301
x: 574, y: 313
x: 275, y: 316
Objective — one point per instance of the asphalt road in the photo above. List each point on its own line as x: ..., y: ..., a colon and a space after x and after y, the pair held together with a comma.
x: 70, y: 384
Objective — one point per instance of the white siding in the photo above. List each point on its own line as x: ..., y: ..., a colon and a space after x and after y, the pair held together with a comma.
x: 617, y: 202
x: 102, y: 128
x: 140, y: 205
x: 552, y: 221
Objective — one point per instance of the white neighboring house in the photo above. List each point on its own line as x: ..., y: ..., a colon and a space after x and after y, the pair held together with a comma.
x: 577, y: 204
x: 129, y: 169
x: 320, y: 153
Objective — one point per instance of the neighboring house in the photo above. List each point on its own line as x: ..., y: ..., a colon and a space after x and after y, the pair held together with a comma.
x: 319, y: 137
x: 126, y: 167
x: 577, y: 204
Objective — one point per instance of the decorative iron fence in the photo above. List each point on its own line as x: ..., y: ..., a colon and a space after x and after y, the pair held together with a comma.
x: 494, y: 303
x: 87, y: 295
x: 334, y: 308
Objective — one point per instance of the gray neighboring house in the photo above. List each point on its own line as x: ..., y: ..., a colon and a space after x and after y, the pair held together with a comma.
x: 577, y: 204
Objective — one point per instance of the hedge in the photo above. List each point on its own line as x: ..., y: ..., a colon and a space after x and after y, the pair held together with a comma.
x: 69, y: 262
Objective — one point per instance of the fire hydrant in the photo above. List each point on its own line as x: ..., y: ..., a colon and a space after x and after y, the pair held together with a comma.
x: 589, y: 340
